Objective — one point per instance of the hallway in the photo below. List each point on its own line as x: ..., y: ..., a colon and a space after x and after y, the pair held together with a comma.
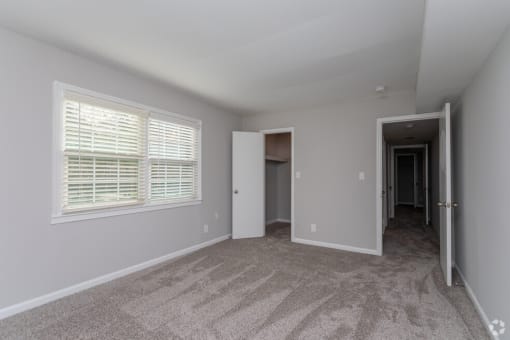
x: 407, y: 217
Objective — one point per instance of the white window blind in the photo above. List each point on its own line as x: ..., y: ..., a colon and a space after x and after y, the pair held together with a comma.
x: 173, y: 160
x: 114, y: 157
x: 104, y: 150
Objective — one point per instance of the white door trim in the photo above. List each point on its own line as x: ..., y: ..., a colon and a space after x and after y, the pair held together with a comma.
x: 412, y: 146
x: 292, y: 176
x: 378, y: 184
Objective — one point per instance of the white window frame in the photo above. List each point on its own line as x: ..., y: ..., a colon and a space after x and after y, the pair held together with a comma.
x: 57, y: 215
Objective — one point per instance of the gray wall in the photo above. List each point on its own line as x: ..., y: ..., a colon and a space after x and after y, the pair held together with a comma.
x: 482, y: 185
x: 37, y: 258
x: 271, y: 191
x: 278, y: 187
x: 332, y: 145
x: 284, y: 188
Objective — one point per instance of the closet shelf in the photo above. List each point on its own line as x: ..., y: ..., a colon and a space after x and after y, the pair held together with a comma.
x: 276, y: 159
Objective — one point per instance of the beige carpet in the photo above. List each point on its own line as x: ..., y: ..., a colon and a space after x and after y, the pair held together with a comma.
x: 269, y: 288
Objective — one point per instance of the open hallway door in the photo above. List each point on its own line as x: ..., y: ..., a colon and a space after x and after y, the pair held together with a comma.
x: 248, y: 185
x: 445, y: 194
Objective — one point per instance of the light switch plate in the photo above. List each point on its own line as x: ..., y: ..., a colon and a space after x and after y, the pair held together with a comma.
x: 298, y: 174
x: 361, y: 176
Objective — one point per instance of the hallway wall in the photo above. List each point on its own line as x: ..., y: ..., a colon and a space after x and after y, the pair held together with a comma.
x: 406, y: 193
x: 481, y: 184
x: 405, y: 178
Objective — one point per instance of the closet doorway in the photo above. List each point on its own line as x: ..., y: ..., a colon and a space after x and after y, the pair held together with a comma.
x: 279, y: 184
x: 249, y: 184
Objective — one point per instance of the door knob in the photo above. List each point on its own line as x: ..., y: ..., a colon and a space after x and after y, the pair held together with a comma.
x: 455, y: 205
x: 441, y: 204
x: 235, y: 191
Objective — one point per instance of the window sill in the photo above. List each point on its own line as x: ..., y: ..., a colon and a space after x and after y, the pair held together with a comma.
x: 73, y: 217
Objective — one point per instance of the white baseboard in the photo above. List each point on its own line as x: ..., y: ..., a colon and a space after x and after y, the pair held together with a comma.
x: 281, y: 220
x: 478, y: 307
x: 41, y: 300
x: 336, y: 246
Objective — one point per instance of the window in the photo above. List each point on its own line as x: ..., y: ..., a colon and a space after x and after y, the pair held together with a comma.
x: 120, y: 157
x: 104, y: 149
x: 173, y: 160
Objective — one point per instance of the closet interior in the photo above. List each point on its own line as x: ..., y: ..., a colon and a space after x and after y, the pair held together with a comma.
x: 278, y: 182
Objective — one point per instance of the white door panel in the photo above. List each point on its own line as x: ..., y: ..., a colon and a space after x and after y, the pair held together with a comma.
x: 445, y: 194
x: 248, y: 185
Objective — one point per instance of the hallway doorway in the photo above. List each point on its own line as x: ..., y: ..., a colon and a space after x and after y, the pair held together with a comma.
x: 434, y: 130
x: 410, y: 177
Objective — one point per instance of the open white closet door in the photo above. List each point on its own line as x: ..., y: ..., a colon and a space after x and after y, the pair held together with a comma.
x: 248, y: 175
x: 445, y: 194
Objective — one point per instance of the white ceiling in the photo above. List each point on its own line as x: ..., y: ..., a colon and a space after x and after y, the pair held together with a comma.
x: 458, y: 36
x: 249, y: 56
x: 421, y: 131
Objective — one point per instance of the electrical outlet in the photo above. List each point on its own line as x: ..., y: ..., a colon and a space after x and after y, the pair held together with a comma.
x: 313, y: 228
x: 206, y: 228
